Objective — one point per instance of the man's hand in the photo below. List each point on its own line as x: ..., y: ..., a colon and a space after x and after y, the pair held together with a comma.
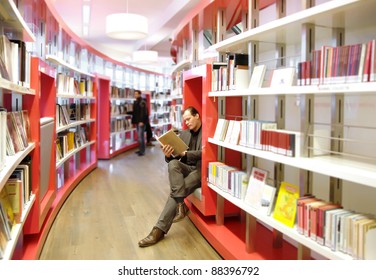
x: 167, y: 150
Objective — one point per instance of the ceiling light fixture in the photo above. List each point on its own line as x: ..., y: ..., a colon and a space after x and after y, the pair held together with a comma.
x: 145, y: 57
x: 126, y: 26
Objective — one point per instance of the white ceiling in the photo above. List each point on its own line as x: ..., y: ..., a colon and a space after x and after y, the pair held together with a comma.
x: 163, y: 15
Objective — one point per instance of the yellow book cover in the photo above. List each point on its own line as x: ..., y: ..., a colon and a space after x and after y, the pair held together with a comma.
x: 7, y: 207
x: 285, y: 207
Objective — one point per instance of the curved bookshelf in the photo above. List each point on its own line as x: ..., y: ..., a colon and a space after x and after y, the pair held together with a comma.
x: 13, y: 87
x: 12, y: 162
x: 14, y: 22
x: 58, y: 61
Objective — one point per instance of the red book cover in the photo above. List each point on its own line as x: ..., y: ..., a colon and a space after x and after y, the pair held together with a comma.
x: 367, y: 63
x: 300, y: 211
x: 321, y: 221
x: 307, y: 217
x: 312, y: 228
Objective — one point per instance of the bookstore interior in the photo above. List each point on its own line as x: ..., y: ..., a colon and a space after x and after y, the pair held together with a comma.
x: 286, y: 91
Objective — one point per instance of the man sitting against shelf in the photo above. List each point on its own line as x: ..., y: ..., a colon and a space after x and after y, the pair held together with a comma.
x: 140, y: 117
x: 184, y: 173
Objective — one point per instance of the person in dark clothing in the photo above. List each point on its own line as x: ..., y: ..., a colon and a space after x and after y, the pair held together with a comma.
x: 184, y: 173
x: 149, y: 134
x: 140, y: 118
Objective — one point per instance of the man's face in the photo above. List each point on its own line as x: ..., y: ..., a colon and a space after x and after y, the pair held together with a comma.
x: 137, y: 94
x: 192, y: 122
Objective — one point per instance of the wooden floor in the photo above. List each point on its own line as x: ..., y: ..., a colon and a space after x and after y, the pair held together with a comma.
x: 114, y: 207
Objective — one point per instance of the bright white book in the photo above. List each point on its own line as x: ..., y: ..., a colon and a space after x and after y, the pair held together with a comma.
x: 255, y: 187
x: 257, y: 77
x: 267, y: 199
x: 235, y: 133
x: 221, y: 126
x: 172, y: 139
x: 283, y: 77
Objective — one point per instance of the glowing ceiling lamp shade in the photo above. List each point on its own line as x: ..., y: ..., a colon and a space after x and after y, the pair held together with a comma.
x: 145, y: 57
x: 126, y: 26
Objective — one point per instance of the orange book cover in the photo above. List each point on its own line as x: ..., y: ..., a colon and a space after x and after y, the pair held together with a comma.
x: 300, y: 212
x: 285, y: 207
x: 320, y: 231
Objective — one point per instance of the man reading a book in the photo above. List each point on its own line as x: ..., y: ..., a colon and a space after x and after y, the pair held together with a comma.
x: 184, y: 173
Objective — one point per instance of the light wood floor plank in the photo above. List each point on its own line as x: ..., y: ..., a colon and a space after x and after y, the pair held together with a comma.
x: 114, y: 207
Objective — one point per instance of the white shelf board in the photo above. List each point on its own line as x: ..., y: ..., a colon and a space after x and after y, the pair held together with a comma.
x: 335, y: 13
x: 351, y: 88
x: 58, y: 61
x: 335, y: 166
x: 13, y: 87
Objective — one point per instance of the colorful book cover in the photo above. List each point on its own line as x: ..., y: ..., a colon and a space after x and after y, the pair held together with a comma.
x: 286, y: 204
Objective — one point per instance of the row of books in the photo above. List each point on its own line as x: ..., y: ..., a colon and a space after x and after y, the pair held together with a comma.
x: 240, y: 77
x: 252, y: 189
x: 68, y: 113
x: 258, y: 134
x: 123, y: 124
x: 18, y: 133
x: 117, y: 92
x: 66, y: 84
x: 326, y: 223
x: 121, y: 109
x: 13, y: 198
x: 14, y: 61
x: 341, y: 64
x: 339, y: 229
x: 70, y: 140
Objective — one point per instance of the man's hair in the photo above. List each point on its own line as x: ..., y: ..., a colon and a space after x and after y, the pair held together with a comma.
x: 192, y: 110
x: 137, y: 90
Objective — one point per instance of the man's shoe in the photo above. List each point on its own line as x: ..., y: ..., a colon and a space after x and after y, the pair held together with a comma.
x: 154, y: 237
x: 150, y: 144
x: 182, y: 210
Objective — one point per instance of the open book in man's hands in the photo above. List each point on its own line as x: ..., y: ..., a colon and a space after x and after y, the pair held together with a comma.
x: 172, y: 139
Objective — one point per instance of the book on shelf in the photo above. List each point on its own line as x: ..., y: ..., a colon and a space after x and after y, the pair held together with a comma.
x: 14, y: 133
x: 315, y: 217
x: 283, y: 77
x: 3, y: 137
x: 369, y: 245
x: 224, y: 177
x: 255, y: 187
x: 7, y: 210
x: 4, y: 233
x: 321, y: 223
x: 309, y: 220
x: 218, y: 75
x: 6, y: 58
x: 286, y: 204
x: 329, y: 225
x: 14, y: 188
x: 267, y: 199
x: 229, y: 131
x: 237, y: 71
x: 221, y: 129
x: 300, y: 217
x: 213, y: 173
x: 235, y: 132
x: 172, y: 139
x: 258, y: 76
